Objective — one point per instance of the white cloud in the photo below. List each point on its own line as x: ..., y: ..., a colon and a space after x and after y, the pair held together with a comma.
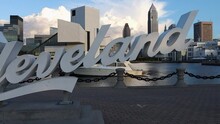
x: 114, y: 12
x: 134, y: 12
x: 41, y: 22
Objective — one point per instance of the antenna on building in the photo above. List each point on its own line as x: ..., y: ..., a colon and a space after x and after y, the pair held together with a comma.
x: 165, y: 28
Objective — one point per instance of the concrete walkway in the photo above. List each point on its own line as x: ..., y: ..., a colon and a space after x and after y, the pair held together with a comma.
x: 158, y: 105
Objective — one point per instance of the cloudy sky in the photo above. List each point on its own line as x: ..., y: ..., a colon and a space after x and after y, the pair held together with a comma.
x: 39, y: 15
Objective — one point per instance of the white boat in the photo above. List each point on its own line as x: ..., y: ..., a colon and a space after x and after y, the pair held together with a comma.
x: 100, y: 70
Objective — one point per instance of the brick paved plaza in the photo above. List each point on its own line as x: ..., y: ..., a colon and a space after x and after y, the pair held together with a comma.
x: 155, y: 105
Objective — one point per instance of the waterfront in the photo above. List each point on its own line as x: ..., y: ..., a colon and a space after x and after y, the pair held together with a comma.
x: 161, y: 69
x: 152, y: 70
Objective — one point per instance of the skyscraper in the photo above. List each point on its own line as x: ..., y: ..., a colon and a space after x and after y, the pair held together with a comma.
x: 126, y: 31
x: 17, y: 20
x: 14, y: 30
x: 152, y: 19
x: 165, y: 28
x: 203, y: 31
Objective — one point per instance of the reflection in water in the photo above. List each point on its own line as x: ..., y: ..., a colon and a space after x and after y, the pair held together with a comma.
x: 151, y: 73
x: 162, y: 69
x: 152, y: 70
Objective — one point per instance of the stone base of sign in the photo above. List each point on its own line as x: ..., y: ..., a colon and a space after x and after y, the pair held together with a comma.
x: 49, y: 113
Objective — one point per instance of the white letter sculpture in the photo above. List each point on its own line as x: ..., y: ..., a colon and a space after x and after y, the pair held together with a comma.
x: 15, y: 69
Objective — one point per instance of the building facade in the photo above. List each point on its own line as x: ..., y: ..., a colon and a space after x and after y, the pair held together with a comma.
x: 82, y: 30
x: 198, y: 51
x: 203, y: 31
x: 89, y: 19
x: 126, y: 31
x: 152, y: 19
x: 17, y: 20
x: 10, y: 32
x: 14, y: 30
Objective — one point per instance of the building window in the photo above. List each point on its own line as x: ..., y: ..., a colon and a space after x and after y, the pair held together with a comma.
x: 73, y: 12
x: 190, y: 54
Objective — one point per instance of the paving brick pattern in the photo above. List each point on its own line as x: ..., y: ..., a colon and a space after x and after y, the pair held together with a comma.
x: 158, y: 105
x: 190, y: 105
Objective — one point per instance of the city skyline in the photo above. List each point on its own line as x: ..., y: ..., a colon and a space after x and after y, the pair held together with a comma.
x: 39, y: 18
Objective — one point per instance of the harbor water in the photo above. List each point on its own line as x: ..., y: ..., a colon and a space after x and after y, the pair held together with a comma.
x: 152, y: 70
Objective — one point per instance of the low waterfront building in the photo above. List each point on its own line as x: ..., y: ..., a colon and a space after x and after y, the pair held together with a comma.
x: 204, y: 51
x: 190, y: 51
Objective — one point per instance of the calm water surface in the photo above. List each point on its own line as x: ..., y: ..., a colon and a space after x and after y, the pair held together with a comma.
x: 162, y: 69
x: 152, y: 70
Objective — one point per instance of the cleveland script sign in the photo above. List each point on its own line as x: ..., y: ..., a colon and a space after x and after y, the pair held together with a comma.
x: 16, y: 68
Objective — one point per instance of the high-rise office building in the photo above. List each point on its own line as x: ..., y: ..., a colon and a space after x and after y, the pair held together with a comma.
x: 17, y: 20
x: 14, y: 30
x: 126, y: 31
x: 152, y: 19
x: 203, y: 31
x: 10, y: 32
x: 88, y: 18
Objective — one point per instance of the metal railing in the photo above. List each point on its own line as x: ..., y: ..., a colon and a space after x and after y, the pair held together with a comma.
x: 150, y: 79
x: 97, y: 79
x: 120, y: 74
x: 202, y: 77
